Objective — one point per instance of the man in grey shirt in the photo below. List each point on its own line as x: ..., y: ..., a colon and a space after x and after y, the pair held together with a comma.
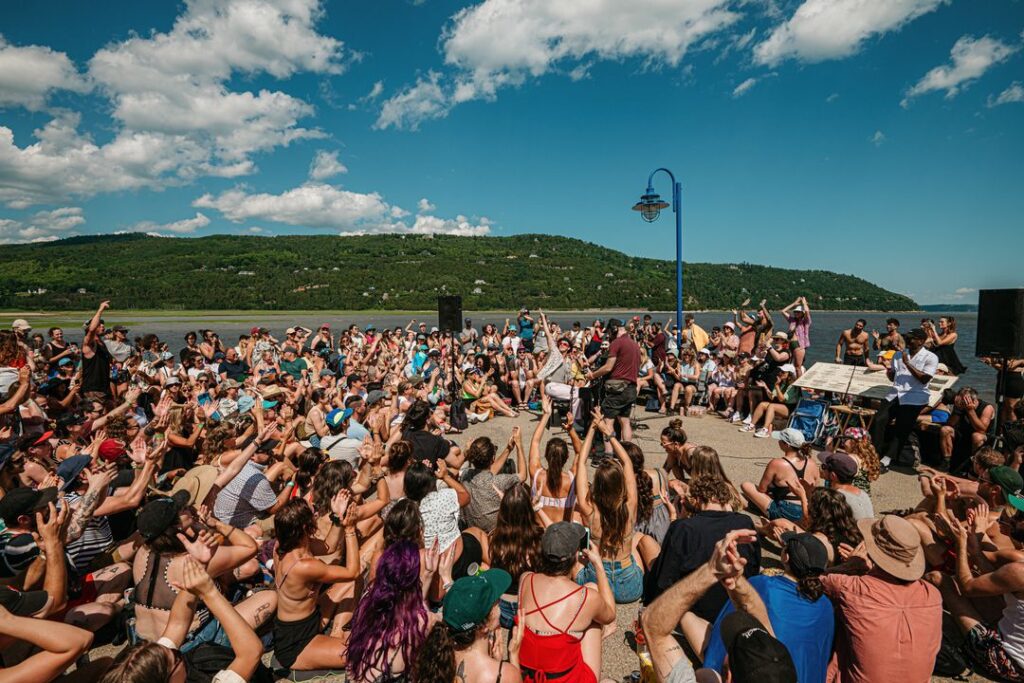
x: 484, y: 481
x: 839, y: 470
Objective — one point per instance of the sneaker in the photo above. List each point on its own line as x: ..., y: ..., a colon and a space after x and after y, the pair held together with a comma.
x: 762, y: 433
x: 748, y: 419
x: 735, y: 418
x: 747, y: 428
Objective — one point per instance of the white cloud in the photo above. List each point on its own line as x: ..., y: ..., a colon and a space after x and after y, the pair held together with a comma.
x: 461, y: 226
x: 326, y: 165
x: 376, y: 91
x: 743, y: 87
x: 966, y: 290
x: 424, y: 206
x: 970, y: 58
x: 500, y: 43
x: 42, y: 226
x: 877, y: 139
x: 417, y: 103
x: 832, y: 98
x: 319, y: 205
x: 176, y: 115
x: 1014, y: 93
x: 830, y: 29
x: 182, y: 227
x: 28, y: 74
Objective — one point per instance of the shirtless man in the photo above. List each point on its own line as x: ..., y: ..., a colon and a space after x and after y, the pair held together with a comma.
x: 892, y: 340
x: 856, y: 341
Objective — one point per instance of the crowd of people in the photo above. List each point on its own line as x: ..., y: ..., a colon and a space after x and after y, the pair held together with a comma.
x: 203, y: 506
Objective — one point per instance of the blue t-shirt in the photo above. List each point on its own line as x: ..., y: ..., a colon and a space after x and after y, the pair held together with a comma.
x: 357, y: 431
x: 526, y: 329
x: 806, y: 628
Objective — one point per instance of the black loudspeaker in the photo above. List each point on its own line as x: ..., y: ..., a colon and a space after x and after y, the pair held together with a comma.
x: 1000, y: 323
x: 449, y: 313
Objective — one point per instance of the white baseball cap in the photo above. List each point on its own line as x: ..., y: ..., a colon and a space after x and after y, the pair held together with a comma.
x: 788, y: 367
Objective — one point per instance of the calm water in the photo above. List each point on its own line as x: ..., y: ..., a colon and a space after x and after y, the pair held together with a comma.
x: 825, y: 329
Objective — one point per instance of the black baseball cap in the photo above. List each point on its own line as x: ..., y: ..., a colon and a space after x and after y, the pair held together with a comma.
x: 6, y: 451
x: 158, y: 515
x: 806, y: 553
x: 17, y: 554
x: 24, y: 501
x: 561, y: 540
x: 23, y: 604
x: 755, y: 655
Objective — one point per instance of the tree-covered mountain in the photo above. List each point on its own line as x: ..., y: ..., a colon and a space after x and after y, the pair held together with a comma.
x: 393, y: 272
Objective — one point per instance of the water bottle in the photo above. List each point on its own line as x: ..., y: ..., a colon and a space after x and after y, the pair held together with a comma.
x: 643, y: 652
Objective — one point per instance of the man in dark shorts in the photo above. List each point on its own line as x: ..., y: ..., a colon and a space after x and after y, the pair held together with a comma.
x: 622, y: 369
x: 856, y: 341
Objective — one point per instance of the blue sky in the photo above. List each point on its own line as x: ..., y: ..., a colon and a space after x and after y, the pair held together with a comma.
x: 882, y: 138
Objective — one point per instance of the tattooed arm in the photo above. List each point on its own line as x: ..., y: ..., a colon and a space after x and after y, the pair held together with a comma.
x: 99, y: 482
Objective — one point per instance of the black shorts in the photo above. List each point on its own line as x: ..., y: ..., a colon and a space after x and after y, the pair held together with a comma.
x: 619, y: 397
x: 858, y: 361
x: 292, y: 637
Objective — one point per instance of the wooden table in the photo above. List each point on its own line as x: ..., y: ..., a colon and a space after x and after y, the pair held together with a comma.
x: 846, y: 413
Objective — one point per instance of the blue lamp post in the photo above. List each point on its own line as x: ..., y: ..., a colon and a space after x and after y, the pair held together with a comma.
x: 650, y: 206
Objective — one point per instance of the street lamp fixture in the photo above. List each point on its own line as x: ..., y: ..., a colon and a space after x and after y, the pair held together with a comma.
x: 650, y: 206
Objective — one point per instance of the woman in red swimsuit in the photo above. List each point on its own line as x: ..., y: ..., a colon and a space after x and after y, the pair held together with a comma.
x: 561, y: 633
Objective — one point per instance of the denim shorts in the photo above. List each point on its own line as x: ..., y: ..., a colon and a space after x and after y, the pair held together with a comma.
x: 786, y: 509
x: 627, y: 580
x: 507, y: 611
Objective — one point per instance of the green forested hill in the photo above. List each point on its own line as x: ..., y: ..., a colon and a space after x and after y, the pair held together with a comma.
x: 393, y: 272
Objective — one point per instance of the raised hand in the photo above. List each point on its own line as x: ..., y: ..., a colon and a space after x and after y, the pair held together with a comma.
x: 545, y: 404
x: 431, y: 558
x: 977, y: 517
x: 515, y: 438
x: 340, y: 502
x: 194, y: 579
x: 598, y: 422
x: 50, y: 529
x: 101, y: 477
x: 202, y: 548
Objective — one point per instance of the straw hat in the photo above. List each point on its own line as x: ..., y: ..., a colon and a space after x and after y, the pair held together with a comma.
x: 894, y: 545
x: 197, y: 482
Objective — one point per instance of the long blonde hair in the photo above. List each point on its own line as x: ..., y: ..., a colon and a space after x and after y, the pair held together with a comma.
x: 704, y: 461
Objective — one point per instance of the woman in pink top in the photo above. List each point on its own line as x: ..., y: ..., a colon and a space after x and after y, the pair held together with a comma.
x: 798, y: 315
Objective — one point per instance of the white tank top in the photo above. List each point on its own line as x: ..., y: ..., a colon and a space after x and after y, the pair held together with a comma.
x: 1011, y: 628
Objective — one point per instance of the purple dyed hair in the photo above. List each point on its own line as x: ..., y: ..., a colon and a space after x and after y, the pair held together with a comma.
x: 390, y: 615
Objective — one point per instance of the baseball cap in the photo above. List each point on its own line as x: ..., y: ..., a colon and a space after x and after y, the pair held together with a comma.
x: 158, y: 515
x: 6, y: 451
x: 24, y: 501
x: 807, y: 554
x: 327, y: 372
x: 841, y: 463
x: 1010, y: 481
x: 706, y: 351
x: 229, y: 384
x: 120, y: 328
x: 219, y: 355
x: 780, y: 335
x: 267, y: 405
x: 788, y: 367
x: 337, y: 416
x: 20, y: 324
x: 561, y: 540
x: 917, y: 333
x: 70, y: 468
x: 21, y: 550
x: 754, y: 653
x: 45, y: 436
x: 416, y: 380
x: 172, y: 381
x: 64, y: 361
x: 375, y: 396
x: 730, y: 324
x: 111, y: 450
x: 470, y: 599
x: 245, y: 403
x: 23, y: 604
x: 790, y: 437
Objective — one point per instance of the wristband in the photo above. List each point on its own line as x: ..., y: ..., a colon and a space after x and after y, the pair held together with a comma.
x: 335, y: 519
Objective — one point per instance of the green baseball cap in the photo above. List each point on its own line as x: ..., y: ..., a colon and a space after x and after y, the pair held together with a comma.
x: 1010, y: 481
x: 471, y: 598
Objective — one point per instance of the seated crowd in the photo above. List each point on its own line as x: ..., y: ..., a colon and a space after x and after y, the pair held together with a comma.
x: 297, y: 507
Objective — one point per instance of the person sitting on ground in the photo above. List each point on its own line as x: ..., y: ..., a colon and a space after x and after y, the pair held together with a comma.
x: 839, y: 470
x: 485, y: 482
x: 889, y: 621
x: 776, y: 494
x: 552, y: 487
x: 967, y: 429
x: 754, y: 654
x: 561, y: 620
x: 690, y: 542
x: 780, y: 402
x: 464, y: 644
x: 298, y: 575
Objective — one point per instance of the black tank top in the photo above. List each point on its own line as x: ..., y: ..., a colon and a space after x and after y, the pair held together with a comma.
x: 783, y: 492
x: 96, y: 370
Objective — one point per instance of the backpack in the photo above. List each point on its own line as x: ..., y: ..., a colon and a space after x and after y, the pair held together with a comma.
x: 950, y: 661
x: 457, y: 414
x: 205, y: 660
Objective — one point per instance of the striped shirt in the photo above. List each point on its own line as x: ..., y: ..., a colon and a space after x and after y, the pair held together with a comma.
x: 96, y: 538
x: 245, y: 497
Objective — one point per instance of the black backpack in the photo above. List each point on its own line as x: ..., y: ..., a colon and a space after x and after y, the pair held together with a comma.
x: 457, y: 414
x: 950, y: 661
x: 203, y: 663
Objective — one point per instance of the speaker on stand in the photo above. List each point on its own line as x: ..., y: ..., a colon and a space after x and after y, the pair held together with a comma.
x: 449, y: 319
x: 1000, y: 334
